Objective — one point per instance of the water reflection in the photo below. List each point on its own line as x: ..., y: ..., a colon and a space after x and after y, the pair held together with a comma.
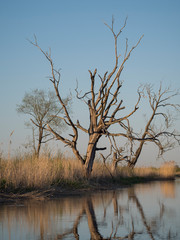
x: 145, y: 211
x: 168, y: 189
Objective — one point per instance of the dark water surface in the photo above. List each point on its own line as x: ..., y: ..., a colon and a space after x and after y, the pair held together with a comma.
x: 144, y: 211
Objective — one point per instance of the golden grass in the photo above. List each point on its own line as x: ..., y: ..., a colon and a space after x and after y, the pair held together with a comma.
x: 167, y: 170
x: 29, y: 172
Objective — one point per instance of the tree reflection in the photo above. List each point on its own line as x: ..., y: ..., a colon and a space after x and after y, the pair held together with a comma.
x: 88, y: 210
x: 74, y: 229
x: 133, y: 196
x: 116, y: 215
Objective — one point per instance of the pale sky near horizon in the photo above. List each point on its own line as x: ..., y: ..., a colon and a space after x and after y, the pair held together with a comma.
x: 79, y: 41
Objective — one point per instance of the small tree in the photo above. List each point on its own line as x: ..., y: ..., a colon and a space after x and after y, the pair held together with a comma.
x: 43, y: 109
x: 102, y: 100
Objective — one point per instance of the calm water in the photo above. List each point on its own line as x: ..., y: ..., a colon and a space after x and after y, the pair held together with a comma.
x: 145, y: 211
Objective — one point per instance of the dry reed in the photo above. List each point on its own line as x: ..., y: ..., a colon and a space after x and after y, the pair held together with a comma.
x: 167, y: 170
x: 29, y: 172
x: 32, y: 172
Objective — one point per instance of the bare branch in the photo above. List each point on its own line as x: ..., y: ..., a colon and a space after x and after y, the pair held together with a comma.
x: 103, y: 103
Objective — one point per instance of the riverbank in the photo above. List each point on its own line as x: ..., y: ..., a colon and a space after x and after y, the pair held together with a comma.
x: 45, y: 178
x: 86, y: 188
x: 72, y: 208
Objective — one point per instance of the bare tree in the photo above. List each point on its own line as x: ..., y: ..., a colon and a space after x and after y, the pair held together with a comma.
x: 43, y: 109
x: 158, y: 129
x: 103, y: 102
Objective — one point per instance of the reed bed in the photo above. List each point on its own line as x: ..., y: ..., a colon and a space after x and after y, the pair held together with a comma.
x: 167, y: 170
x: 33, y: 173
x: 28, y: 172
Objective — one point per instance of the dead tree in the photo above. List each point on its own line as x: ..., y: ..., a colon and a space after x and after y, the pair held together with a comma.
x: 104, y: 103
x: 159, y: 127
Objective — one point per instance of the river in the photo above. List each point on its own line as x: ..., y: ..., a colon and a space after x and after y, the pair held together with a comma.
x: 143, y: 211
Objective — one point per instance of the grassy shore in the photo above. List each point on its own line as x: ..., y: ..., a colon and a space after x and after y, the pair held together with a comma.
x: 26, y: 174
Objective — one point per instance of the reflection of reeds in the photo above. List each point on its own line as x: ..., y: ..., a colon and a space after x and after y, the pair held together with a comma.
x: 40, y: 217
x: 30, y: 172
x: 168, y: 189
x: 49, y: 216
x: 62, y: 218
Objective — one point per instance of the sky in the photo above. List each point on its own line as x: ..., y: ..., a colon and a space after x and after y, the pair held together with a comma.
x: 79, y: 40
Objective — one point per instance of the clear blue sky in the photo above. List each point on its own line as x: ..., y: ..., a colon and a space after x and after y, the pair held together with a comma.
x: 79, y: 40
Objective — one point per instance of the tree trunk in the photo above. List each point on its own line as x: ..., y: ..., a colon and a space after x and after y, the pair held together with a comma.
x: 114, y: 163
x: 39, y: 141
x: 133, y: 162
x: 91, y: 153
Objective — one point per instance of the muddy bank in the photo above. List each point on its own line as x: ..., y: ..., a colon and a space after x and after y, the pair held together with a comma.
x: 58, y: 191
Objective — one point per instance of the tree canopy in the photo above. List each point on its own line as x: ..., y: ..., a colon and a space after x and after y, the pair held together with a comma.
x: 43, y: 108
